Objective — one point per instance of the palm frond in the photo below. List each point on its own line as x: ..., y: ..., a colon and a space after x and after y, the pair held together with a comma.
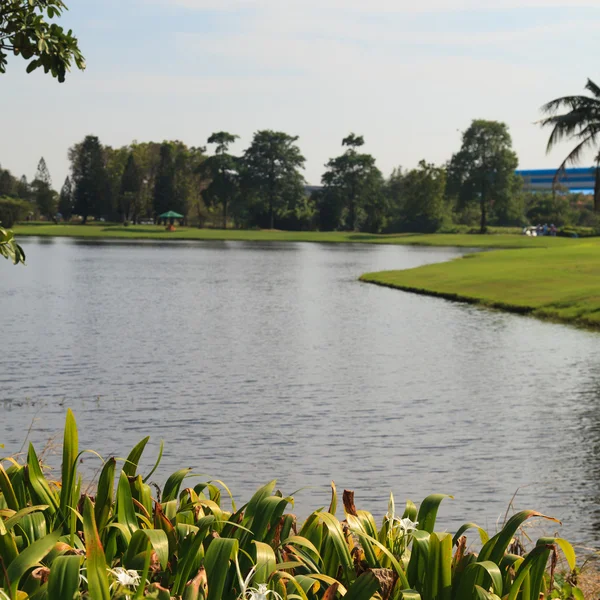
x: 593, y: 88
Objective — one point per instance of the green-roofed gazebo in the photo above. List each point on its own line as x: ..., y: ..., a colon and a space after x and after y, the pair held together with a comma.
x: 170, y: 215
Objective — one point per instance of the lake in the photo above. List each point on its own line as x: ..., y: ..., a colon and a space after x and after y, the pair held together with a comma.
x: 256, y: 361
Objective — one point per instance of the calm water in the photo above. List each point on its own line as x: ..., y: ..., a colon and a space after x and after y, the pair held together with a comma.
x: 256, y: 361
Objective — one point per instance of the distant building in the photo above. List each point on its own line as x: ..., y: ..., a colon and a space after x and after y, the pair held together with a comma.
x: 575, y: 180
x: 537, y: 180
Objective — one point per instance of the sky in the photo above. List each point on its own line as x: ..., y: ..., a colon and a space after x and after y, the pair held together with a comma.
x: 408, y: 75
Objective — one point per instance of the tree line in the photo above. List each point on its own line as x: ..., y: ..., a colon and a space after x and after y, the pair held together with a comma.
x: 264, y: 187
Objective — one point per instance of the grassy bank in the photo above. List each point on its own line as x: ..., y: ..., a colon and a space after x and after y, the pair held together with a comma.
x: 154, y: 232
x: 560, y: 283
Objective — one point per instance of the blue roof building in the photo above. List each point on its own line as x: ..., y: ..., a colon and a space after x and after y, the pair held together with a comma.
x: 575, y: 180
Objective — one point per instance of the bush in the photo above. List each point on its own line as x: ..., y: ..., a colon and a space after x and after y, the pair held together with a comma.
x: 13, y: 210
x: 182, y: 541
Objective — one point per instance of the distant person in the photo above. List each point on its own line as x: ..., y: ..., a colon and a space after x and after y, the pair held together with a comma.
x: 553, y: 230
x: 545, y: 229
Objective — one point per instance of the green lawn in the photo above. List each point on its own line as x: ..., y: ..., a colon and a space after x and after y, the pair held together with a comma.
x: 561, y: 283
x: 103, y: 230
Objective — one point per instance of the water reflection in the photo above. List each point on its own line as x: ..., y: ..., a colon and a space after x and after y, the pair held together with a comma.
x: 261, y: 360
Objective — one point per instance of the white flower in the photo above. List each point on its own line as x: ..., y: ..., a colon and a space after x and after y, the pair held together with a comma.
x: 260, y: 593
x: 126, y: 577
x: 407, y: 526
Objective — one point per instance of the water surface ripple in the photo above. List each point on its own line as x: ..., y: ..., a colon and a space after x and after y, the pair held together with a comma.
x: 254, y: 361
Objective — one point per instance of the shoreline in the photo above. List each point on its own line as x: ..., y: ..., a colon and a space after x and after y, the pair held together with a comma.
x: 456, y: 240
x: 560, y: 285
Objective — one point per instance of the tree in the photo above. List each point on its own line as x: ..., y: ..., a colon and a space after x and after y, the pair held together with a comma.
x: 164, y: 187
x: 580, y: 123
x: 483, y: 171
x: 355, y: 181
x: 131, y: 187
x: 271, y: 172
x: 27, y: 30
x: 90, y: 180
x: 44, y: 195
x: 222, y: 168
x: 419, y: 198
x: 65, y: 200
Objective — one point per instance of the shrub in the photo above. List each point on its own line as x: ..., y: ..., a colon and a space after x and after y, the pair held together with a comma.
x: 13, y: 210
x: 181, y: 541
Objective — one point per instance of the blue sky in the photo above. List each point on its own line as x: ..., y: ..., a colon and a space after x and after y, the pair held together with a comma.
x: 408, y: 75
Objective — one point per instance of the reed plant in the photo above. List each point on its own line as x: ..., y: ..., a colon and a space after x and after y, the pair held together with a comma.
x: 133, y: 539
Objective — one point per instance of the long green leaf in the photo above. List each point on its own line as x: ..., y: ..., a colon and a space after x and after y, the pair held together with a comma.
x: 125, y: 510
x: 63, y: 581
x: 29, y: 558
x: 471, y: 578
x: 537, y: 554
x: 171, y: 489
x: 139, y: 541
x: 265, y: 562
x: 217, y: 563
x: 12, y: 521
x: 39, y: 486
x: 496, y: 547
x: 7, y: 490
x: 69, y: 464
x: 259, y: 495
x: 104, y: 494
x: 96, y: 562
x: 363, y: 588
x: 131, y: 463
x: 339, y: 541
x: 428, y: 511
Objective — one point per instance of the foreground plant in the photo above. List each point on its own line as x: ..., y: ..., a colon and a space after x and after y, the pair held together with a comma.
x: 181, y: 542
x: 9, y: 247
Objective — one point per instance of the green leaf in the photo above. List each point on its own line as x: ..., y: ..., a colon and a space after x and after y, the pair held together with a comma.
x: 63, y: 581
x: 69, y: 465
x: 367, y: 539
x: 131, y: 464
x: 428, y: 511
x: 472, y: 577
x: 333, y: 504
x: 29, y: 558
x: 483, y: 536
x: 125, y: 510
x: 363, y: 588
x: 12, y: 521
x: 139, y: 542
x: 96, y: 561
x: 339, y: 541
x: 265, y: 562
x: 496, y: 547
x: 217, y: 563
x: 7, y: 490
x: 39, y: 486
x: 171, y: 489
x: 258, y: 497
x: 104, y: 494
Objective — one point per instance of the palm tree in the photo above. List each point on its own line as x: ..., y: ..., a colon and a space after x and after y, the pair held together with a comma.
x: 581, y: 122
